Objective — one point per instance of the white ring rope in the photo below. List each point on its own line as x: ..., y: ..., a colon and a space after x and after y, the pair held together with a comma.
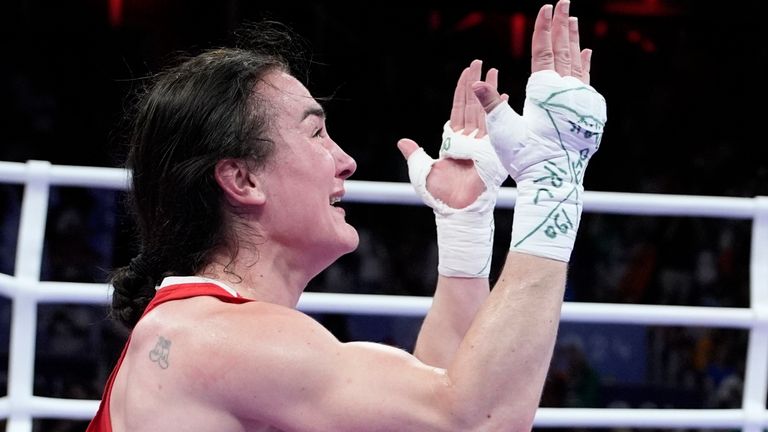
x: 402, y: 193
x: 412, y: 306
x: 27, y: 292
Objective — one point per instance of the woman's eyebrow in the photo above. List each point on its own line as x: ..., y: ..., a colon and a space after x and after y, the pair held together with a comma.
x: 316, y: 110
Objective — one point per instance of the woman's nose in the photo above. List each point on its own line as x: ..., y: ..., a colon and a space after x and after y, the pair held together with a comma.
x: 345, y: 164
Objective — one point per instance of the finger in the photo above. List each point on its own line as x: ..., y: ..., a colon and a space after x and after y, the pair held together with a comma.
x: 472, y: 109
x: 407, y: 147
x: 492, y: 78
x: 560, y: 46
x: 577, y: 69
x: 459, y: 102
x: 488, y: 97
x: 542, y: 57
x: 586, y: 64
x: 505, y: 97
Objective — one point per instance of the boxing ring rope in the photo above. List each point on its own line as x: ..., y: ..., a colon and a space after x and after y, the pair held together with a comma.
x: 26, y: 291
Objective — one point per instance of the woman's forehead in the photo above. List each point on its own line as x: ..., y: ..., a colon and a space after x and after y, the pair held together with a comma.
x: 286, y: 91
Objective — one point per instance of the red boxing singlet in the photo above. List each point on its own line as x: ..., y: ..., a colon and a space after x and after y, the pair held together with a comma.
x: 172, y: 288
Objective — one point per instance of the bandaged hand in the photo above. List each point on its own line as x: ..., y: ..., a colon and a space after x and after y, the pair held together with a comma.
x: 464, y: 235
x: 547, y: 149
x: 461, y: 186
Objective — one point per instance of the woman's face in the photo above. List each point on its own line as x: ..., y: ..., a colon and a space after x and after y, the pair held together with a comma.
x: 305, y: 178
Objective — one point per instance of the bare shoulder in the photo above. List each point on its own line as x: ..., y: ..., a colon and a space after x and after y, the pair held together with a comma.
x: 206, y: 328
x: 257, y: 365
x: 217, y: 351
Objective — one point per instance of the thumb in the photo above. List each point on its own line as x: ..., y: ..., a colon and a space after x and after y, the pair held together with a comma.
x: 487, y: 95
x: 407, y: 147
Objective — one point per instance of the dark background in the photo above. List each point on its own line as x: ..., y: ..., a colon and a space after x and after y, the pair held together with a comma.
x: 685, y: 88
x: 682, y: 78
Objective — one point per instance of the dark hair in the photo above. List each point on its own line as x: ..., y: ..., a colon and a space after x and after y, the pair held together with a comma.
x: 191, y: 116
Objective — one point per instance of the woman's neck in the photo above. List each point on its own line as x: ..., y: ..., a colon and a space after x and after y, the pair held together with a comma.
x: 260, y: 276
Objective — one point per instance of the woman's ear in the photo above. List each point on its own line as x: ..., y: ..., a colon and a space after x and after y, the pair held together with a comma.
x: 240, y: 185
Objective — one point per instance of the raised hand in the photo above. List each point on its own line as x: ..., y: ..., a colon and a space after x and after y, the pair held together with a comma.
x: 462, y: 184
x: 546, y: 150
x: 453, y: 179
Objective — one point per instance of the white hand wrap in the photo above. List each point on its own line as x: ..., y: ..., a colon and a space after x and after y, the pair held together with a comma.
x: 546, y: 151
x: 464, y: 236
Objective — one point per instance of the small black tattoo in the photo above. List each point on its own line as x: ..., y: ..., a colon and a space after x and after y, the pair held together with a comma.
x: 159, y: 353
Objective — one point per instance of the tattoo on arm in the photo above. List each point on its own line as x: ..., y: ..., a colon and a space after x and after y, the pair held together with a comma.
x: 159, y: 353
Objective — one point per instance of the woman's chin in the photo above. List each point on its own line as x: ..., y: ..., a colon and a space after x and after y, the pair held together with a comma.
x: 353, y: 241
